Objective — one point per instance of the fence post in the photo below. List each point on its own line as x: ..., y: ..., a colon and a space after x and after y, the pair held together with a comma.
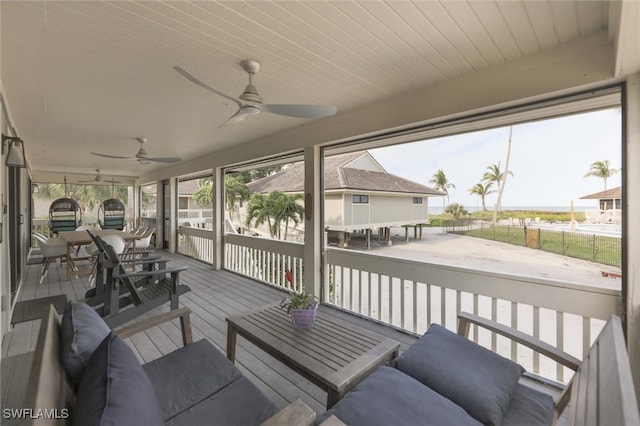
x: 539, y: 240
x: 563, y: 243
x: 593, y: 250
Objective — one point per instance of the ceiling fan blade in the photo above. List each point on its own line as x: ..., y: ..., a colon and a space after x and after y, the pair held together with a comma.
x: 162, y: 159
x: 236, y: 118
x: 112, y: 156
x: 301, y: 111
x: 194, y: 80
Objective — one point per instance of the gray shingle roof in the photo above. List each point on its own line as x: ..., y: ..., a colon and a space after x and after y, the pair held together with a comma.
x: 338, y: 176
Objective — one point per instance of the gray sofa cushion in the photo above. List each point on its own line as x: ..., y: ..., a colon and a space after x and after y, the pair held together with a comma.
x: 189, y: 375
x: 473, y: 377
x: 115, y: 389
x: 528, y: 407
x: 390, y: 397
x: 82, y: 330
x: 240, y: 403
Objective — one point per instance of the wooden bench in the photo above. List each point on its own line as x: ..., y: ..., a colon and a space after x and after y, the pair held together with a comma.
x: 601, y: 391
x: 50, y: 388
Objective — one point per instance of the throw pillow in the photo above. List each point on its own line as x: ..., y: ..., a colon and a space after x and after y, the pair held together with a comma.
x: 115, y: 390
x: 478, y: 380
x: 82, y: 331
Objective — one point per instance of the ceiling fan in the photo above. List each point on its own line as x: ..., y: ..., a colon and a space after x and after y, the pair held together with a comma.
x: 98, y: 179
x: 141, y: 156
x: 250, y: 101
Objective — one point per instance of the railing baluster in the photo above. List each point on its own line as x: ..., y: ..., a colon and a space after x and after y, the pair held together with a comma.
x: 494, y: 316
x: 369, y: 295
x: 379, y: 296
x: 560, y: 343
x: 415, y: 307
x: 403, y: 319
x: 586, y: 335
x: 429, y: 311
x: 536, y: 333
x: 391, y: 310
x: 443, y: 306
x: 514, y: 324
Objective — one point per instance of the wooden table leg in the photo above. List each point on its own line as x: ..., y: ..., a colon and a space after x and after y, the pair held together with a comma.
x: 231, y: 342
x: 332, y: 398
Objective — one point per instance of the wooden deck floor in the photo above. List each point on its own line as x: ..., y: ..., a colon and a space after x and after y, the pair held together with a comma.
x: 214, y: 295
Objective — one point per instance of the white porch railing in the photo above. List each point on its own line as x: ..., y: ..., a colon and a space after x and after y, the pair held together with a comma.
x: 264, y: 259
x: 411, y: 295
x: 196, y: 243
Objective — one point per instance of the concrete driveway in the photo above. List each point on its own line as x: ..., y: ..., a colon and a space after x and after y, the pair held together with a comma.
x: 459, y: 250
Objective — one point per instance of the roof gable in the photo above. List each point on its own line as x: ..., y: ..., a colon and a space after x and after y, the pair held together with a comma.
x: 356, y: 171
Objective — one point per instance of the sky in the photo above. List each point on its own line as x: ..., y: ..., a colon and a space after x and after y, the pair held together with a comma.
x: 548, y: 160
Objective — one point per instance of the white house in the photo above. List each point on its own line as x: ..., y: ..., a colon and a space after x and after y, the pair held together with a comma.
x: 359, y: 195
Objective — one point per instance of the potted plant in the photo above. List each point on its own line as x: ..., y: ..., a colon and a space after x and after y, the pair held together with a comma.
x: 302, y: 307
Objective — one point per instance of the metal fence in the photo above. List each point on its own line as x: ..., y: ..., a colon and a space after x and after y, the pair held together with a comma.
x: 601, y: 249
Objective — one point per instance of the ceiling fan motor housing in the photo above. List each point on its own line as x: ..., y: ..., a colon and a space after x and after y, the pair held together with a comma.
x: 250, y: 94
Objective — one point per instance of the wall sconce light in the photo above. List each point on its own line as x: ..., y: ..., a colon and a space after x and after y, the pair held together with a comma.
x: 15, y: 157
x: 35, y: 188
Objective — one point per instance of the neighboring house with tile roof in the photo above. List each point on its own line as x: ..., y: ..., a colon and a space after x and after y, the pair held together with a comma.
x: 359, y: 194
x: 610, y: 206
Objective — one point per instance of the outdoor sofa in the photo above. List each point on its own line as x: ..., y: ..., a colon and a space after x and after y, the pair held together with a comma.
x: 84, y: 374
x: 446, y: 379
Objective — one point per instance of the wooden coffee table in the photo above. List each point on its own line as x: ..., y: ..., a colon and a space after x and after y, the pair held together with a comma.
x: 335, y: 354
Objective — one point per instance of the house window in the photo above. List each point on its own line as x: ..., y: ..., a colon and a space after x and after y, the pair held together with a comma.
x: 360, y: 199
x: 417, y: 200
x: 183, y: 203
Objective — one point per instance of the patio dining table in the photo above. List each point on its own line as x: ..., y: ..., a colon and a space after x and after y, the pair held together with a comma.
x: 75, y: 239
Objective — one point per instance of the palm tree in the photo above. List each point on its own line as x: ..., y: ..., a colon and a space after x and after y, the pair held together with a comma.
x: 441, y: 183
x: 234, y: 188
x: 482, y: 191
x: 288, y: 209
x: 275, y: 209
x: 496, y: 176
x: 603, y: 170
x: 456, y: 210
x: 204, y: 195
x: 259, y: 211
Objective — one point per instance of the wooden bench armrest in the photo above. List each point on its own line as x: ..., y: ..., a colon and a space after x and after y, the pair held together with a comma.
x: 126, y: 258
x: 150, y: 273
x: 295, y: 414
x: 182, y: 313
x: 465, y: 320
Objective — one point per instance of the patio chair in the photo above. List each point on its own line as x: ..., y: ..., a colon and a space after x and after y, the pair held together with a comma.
x: 64, y: 215
x: 130, y: 294
x: 140, y: 245
x: 52, y: 249
x: 111, y: 214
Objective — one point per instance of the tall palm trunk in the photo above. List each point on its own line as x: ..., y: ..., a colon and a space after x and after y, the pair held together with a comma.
x: 502, y: 183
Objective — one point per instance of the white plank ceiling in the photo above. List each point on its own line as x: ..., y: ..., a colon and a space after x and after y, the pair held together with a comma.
x: 88, y: 76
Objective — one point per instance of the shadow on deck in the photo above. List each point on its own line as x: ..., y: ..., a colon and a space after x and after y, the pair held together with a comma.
x: 214, y: 296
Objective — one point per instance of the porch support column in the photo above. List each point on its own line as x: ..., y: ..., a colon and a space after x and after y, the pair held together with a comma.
x: 173, y: 222
x: 313, y: 232
x: 218, y: 217
x: 631, y: 223
x: 160, y: 231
